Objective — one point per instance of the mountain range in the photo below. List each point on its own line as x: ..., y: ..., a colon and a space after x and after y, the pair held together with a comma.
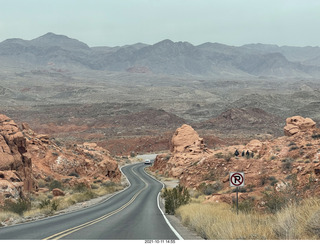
x: 165, y: 57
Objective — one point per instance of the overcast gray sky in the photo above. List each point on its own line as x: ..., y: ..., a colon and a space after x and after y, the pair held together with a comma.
x: 120, y: 22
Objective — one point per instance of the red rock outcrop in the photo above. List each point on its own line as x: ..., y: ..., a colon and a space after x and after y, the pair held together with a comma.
x: 15, y: 161
x: 26, y: 157
x: 87, y: 161
x: 56, y: 192
x: 298, y: 124
x: 186, y: 147
x: 272, y: 164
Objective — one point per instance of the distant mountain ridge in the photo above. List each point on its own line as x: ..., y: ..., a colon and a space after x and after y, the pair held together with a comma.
x: 164, y: 57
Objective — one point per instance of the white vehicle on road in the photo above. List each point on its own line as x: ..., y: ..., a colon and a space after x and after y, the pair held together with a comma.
x: 148, y: 161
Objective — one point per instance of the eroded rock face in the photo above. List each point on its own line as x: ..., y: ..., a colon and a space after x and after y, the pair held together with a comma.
x: 79, y: 163
x: 26, y: 157
x: 186, y: 139
x: 298, y: 124
x: 186, y: 147
x: 15, y: 161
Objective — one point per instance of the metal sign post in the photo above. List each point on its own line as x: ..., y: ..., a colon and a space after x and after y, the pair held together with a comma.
x: 236, y: 180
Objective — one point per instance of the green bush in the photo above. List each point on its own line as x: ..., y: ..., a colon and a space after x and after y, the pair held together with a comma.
x: 175, y: 198
x: 18, y: 207
x: 211, y: 188
x: 246, y: 206
x: 55, y: 184
x: 81, y: 187
x: 316, y: 136
x: 74, y: 174
x: 47, y: 203
x: 275, y: 201
x: 44, y: 203
x: 287, y: 164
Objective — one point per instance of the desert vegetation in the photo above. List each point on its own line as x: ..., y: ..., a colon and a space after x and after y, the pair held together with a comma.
x: 45, y: 204
x: 219, y: 221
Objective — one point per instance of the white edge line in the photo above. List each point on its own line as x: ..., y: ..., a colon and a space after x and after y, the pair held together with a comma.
x: 169, y: 224
x: 164, y: 216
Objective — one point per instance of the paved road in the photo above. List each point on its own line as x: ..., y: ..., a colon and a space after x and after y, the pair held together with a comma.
x: 132, y: 214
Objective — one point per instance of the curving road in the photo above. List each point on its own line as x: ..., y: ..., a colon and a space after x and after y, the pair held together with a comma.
x: 132, y: 214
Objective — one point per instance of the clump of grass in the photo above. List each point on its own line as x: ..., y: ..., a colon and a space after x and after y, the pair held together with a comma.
x: 6, y: 215
x: 218, y: 222
x: 298, y: 221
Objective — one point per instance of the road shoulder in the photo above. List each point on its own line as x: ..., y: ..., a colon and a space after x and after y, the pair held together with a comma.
x: 185, y: 232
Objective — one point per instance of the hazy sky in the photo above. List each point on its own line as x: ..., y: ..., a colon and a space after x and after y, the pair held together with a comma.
x: 120, y: 22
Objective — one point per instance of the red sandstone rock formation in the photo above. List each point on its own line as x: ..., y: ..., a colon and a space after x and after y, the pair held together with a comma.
x: 274, y: 163
x: 26, y: 157
x: 15, y: 161
x: 298, y: 124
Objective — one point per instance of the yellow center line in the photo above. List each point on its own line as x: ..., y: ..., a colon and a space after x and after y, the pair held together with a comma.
x: 64, y: 233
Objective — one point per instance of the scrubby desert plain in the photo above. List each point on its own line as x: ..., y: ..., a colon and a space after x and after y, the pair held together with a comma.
x: 130, y: 100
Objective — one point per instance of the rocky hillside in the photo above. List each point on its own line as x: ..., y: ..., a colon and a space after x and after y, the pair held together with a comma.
x: 27, y: 157
x: 165, y: 57
x: 287, y: 161
x: 243, y: 121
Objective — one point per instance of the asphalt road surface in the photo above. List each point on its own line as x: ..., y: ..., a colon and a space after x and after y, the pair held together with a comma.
x: 132, y: 214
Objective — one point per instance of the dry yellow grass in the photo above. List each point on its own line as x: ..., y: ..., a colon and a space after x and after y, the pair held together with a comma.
x: 218, y: 221
x: 5, y: 215
x: 298, y: 222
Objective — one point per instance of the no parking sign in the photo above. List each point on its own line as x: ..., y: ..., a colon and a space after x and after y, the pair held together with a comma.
x: 236, y: 179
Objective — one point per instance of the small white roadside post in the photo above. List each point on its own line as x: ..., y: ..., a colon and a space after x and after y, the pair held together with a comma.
x: 236, y: 179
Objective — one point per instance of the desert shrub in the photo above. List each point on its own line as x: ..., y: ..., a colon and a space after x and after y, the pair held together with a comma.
x: 81, y: 187
x: 212, y: 188
x: 275, y: 201
x: 44, y: 203
x: 17, y: 207
x: 94, y: 186
x: 108, y: 184
x: 272, y: 158
x: 219, y: 155
x: 52, y: 206
x: 287, y: 164
x: 315, y: 136
x: 175, y: 198
x: 74, y: 174
x: 245, y: 206
x: 55, y: 184
x: 293, y: 148
x: 209, y: 176
x: 239, y: 189
x: 42, y: 183
x: 292, y: 143
x: 263, y: 180
x: 272, y: 180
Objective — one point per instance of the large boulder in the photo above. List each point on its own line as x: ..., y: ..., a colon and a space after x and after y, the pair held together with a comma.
x: 186, y: 139
x: 14, y: 156
x: 298, y: 124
